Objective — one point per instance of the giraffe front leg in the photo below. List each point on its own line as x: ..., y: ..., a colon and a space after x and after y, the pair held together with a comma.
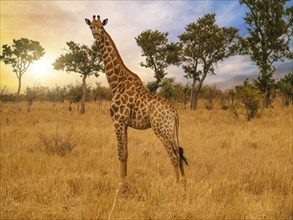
x: 121, y: 133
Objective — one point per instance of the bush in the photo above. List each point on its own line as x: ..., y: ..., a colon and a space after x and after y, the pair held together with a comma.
x: 101, y: 93
x: 57, y: 143
x: 250, y: 97
x: 5, y: 96
x: 171, y: 90
x: 285, y: 87
x: 210, y: 94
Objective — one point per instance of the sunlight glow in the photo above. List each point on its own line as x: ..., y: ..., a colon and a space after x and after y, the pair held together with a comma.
x: 41, y: 68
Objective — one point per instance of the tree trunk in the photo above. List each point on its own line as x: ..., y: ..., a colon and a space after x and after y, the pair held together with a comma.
x: 265, y: 82
x: 195, y: 98
x: 195, y: 93
x: 18, y: 89
x: 69, y: 107
x: 18, y: 92
x: 82, y: 103
x: 268, y: 101
x: 192, y: 96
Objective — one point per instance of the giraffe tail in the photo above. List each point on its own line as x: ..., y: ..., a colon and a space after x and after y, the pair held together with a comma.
x: 182, y: 157
x: 180, y: 149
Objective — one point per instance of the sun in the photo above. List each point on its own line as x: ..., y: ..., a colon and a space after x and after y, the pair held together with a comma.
x: 41, y: 68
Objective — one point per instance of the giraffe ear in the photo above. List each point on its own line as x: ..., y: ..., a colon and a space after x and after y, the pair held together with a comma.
x: 105, y: 21
x: 87, y: 21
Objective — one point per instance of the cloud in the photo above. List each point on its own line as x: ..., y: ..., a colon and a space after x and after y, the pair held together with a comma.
x: 236, y: 65
x: 53, y: 23
x: 235, y: 70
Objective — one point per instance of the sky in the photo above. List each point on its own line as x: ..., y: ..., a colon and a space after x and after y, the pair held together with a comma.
x: 53, y: 23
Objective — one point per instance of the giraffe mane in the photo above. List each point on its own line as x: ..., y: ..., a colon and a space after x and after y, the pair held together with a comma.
x: 118, y: 55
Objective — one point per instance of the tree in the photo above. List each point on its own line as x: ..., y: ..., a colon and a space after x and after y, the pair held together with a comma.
x: 270, y: 30
x: 204, y: 45
x: 83, y: 60
x: 159, y: 54
x: 20, y: 55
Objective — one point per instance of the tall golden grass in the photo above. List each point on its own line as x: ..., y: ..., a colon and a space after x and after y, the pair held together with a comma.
x: 237, y: 169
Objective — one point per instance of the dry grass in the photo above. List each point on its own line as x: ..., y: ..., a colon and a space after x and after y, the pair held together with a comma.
x: 237, y: 169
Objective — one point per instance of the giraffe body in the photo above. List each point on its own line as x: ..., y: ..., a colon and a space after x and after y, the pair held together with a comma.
x: 133, y: 105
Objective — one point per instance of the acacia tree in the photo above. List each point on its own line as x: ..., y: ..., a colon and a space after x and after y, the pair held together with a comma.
x: 159, y: 54
x: 270, y: 31
x: 83, y: 60
x: 204, y: 45
x: 20, y: 55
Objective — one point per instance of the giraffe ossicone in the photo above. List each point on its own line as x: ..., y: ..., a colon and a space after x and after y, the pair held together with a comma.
x: 134, y: 106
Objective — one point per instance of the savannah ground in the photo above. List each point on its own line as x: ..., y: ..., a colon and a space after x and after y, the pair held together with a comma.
x: 237, y: 169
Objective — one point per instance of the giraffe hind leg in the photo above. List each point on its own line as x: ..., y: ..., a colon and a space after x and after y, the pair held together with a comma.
x: 167, y: 132
x: 182, y: 159
x: 170, y: 148
x: 173, y: 154
x: 174, y: 159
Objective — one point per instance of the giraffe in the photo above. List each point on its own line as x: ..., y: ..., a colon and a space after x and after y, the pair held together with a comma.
x: 134, y: 106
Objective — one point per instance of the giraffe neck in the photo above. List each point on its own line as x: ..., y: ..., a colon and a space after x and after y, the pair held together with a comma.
x: 116, y: 71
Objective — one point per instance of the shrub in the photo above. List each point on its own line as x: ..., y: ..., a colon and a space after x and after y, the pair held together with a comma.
x: 285, y: 87
x: 250, y: 97
x: 57, y: 143
x: 210, y: 94
x: 5, y: 96
x: 171, y: 90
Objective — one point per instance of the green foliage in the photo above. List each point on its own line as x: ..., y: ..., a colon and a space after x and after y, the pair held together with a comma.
x: 204, y: 42
x: 80, y: 59
x: 42, y: 93
x: 57, y: 94
x: 172, y: 90
x: 5, y: 96
x: 71, y: 92
x: 204, y: 45
x: 74, y: 93
x: 83, y: 60
x: 285, y: 86
x: 209, y: 94
x: 159, y: 54
x: 30, y: 94
x: 20, y: 55
x: 101, y: 93
x: 270, y: 32
x: 250, y: 97
x: 152, y: 86
x: 39, y: 93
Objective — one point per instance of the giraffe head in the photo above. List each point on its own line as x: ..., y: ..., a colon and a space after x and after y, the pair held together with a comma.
x: 96, y: 25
